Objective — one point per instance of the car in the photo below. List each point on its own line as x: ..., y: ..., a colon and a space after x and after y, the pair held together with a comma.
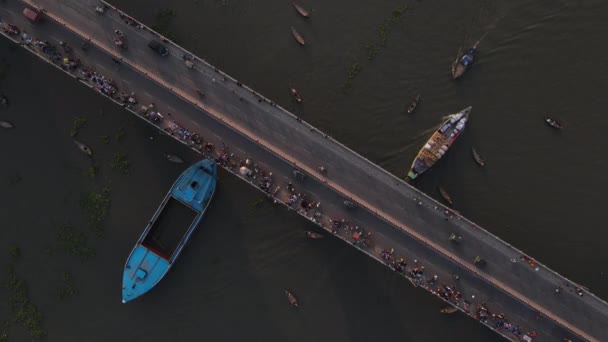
x: 158, y: 47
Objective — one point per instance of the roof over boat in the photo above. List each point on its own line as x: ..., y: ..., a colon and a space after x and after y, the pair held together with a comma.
x: 196, y: 185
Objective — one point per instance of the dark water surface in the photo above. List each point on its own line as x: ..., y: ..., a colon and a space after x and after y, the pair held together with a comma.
x: 540, y: 190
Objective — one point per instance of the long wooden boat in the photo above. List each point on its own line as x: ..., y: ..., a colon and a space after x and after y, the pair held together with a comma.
x: 554, y: 123
x: 477, y: 157
x: 439, y: 143
x: 412, y: 107
x: 291, y: 298
x: 298, y: 36
x: 464, y: 62
x: 301, y: 10
x: 169, y: 229
x: 445, y: 195
x: 448, y: 309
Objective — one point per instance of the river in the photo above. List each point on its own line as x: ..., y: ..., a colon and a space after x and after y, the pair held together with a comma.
x: 540, y: 189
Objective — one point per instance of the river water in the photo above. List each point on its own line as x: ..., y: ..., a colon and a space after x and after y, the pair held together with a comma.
x: 540, y: 190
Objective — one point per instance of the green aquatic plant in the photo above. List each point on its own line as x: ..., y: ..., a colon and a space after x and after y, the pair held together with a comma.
x: 163, y: 21
x: 353, y: 71
x: 95, y: 206
x: 15, y: 252
x: 120, y: 134
x: 372, y: 51
x: 25, y: 312
x: 78, y: 123
x: 105, y: 139
x: 91, y: 172
x: 121, y: 162
x: 74, y: 242
x: 69, y: 287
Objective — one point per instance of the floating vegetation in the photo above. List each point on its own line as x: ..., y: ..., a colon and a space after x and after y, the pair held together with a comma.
x: 26, y: 313
x: 105, y: 139
x: 79, y: 121
x: 372, y: 49
x: 14, y: 179
x: 163, y: 20
x: 73, y: 241
x: 69, y: 287
x: 354, y: 70
x: 15, y: 252
x: 95, y: 207
x: 258, y: 202
x: 4, y: 326
x: 91, y: 172
x: 121, y: 162
x: 120, y: 134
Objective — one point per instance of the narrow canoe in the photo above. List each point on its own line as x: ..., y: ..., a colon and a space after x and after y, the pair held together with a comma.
x: 445, y: 195
x: 301, y: 10
x: 448, y: 309
x: 298, y: 36
x: 413, y: 105
x: 291, y: 298
x: 477, y: 157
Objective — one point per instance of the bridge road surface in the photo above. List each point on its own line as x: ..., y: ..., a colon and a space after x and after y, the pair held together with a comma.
x: 497, y: 283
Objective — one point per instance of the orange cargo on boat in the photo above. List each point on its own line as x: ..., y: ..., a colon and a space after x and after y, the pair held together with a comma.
x: 32, y: 15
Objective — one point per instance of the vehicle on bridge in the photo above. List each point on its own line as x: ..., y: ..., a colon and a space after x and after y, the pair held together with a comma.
x: 169, y: 229
x: 158, y: 47
x: 33, y: 15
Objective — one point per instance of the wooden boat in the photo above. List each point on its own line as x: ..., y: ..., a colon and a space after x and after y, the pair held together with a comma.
x: 477, y: 157
x: 295, y: 94
x: 439, y: 143
x: 554, y: 123
x: 462, y: 64
x: 301, y: 10
x: 6, y: 125
x: 313, y: 235
x: 169, y: 230
x: 448, y: 309
x: 173, y: 158
x: 291, y: 298
x: 84, y: 148
x: 413, y: 105
x: 298, y: 36
x: 445, y: 195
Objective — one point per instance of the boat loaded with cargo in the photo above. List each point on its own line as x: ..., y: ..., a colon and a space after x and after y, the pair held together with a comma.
x: 439, y: 143
x: 169, y: 229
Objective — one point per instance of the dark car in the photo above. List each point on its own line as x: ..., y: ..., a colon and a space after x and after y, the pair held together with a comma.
x: 158, y: 47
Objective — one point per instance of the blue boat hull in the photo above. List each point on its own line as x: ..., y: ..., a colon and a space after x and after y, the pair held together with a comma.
x: 155, y: 251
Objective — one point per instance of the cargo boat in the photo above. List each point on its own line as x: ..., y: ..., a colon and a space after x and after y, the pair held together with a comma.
x: 439, y: 143
x: 169, y: 229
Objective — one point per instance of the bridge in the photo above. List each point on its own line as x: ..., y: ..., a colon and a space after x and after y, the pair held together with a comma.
x: 279, y: 154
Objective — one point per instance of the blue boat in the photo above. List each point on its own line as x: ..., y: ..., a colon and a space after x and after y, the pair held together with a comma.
x: 169, y: 229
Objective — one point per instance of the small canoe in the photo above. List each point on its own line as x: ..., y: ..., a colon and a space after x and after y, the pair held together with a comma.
x: 295, y: 94
x: 173, y: 158
x: 301, y: 10
x: 413, y: 105
x: 291, y: 298
x: 298, y: 36
x: 84, y: 148
x: 313, y: 235
x: 448, y: 309
x: 445, y: 195
x: 554, y: 123
x: 477, y: 157
x: 6, y: 125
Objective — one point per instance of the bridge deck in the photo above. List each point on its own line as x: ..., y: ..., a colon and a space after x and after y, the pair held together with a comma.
x: 256, y: 128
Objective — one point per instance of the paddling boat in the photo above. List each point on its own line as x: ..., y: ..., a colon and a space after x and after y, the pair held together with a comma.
x: 291, y: 298
x: 413, y: 105
x: 301, y: 10
x: 169, y: 229
x: 439, y: 143
x: 298, y: 36
x: 445, y: 195
x: 477, y: 157
x: 448, y: 309
x: 554, y: 123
